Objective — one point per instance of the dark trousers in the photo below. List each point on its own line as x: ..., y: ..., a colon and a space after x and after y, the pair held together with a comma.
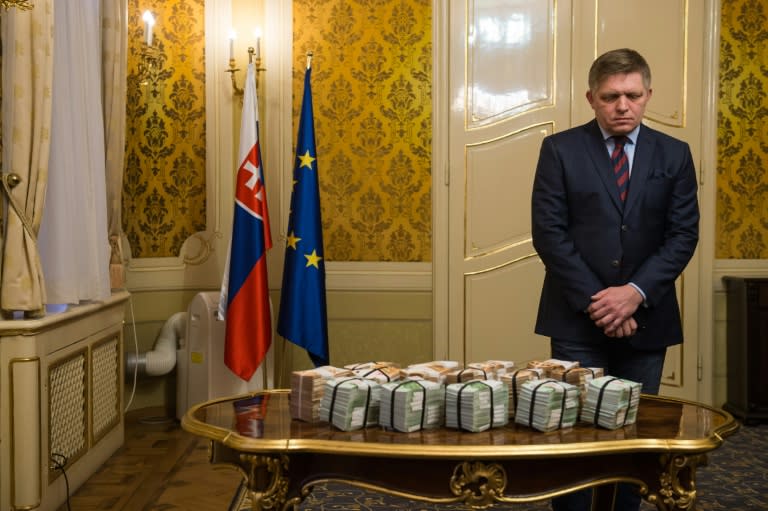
x: 617, y: 358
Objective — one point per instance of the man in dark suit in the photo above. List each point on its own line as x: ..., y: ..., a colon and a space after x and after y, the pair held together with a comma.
x: 615, y: 220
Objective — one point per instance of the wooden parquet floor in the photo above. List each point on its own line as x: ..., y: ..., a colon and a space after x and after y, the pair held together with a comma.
x: 159, y: 467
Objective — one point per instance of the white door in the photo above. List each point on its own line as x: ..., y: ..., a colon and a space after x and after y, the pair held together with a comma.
x: 515, y: 71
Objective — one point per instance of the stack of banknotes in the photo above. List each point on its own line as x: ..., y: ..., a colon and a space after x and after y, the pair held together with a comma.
x: 351, y: 403
x: 547, y: 405
x: 307, y: 388
x: 611, y: 402
x: 412, y: 405
x: 476, y: 405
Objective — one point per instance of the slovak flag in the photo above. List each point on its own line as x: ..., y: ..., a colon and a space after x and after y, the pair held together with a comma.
x: 244, y: 301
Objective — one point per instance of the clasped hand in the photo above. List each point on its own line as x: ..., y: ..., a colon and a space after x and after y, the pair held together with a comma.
x: 612, y: 309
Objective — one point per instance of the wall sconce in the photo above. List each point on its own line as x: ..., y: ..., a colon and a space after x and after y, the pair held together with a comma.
x: 254, y: 57
x: 150, y: 55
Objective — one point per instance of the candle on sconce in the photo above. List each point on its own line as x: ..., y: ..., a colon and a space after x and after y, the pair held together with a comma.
x: 257, y: 33
x: 232, y: 37
x: 149, y: 22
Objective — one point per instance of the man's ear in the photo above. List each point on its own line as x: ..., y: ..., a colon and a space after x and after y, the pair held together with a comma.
x: 589, y: 96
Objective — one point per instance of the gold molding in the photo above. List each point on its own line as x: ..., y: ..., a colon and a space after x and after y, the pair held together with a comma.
x: 204, y: 250
x: 464, y: 493
x: 11, y: 364
x: 468, y: 256
x: 23, y: 5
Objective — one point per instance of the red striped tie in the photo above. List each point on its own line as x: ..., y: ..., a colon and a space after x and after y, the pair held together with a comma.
x: 620, y: 164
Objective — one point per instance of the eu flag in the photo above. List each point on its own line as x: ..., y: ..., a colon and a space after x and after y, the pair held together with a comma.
x: 303, y: 317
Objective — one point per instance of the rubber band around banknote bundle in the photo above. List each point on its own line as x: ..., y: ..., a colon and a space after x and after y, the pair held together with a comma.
x: 629, y: 405
x: 533, y: 401
x: 380, y: 370
x: 458, y: 416
x: 514, y: 385
x: 367, y: 398
x: 392, y: 402
x: 600, y: 400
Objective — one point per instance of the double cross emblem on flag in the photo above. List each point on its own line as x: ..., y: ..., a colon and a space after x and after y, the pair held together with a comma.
x: 249, y: 190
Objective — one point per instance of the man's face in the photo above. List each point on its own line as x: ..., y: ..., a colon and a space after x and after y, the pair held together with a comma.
x: 619, y: 102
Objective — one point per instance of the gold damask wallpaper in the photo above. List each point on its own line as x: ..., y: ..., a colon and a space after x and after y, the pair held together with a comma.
x: 742, y: 146
x: 371, y: 92
x: 164, y: 182
x: 371, y: 85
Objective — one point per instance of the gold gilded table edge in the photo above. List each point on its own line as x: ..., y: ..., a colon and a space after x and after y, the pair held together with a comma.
x: 498, y: 452
x: 502, y: 498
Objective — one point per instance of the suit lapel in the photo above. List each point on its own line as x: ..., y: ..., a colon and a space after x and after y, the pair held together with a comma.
x: 641, y: 167
x: 602, y: 162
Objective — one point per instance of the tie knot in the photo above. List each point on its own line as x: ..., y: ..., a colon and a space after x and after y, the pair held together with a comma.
x: 620, y: 141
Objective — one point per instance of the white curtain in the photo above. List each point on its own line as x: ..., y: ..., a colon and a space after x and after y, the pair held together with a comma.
x: 73, y: 239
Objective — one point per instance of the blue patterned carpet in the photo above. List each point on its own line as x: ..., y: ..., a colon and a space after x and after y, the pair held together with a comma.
x: 736, y: 479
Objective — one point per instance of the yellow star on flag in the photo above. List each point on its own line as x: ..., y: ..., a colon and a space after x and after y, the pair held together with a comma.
x: 292, y: 240
x: 306, y: 160
x: 313, y: 259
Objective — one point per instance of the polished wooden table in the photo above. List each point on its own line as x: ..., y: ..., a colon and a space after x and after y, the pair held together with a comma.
x: 281, y: 458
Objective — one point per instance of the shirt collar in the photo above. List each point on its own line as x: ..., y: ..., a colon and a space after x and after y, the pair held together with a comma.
x: 632, y: 135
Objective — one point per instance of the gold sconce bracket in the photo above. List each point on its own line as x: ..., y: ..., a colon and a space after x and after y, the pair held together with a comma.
x: 150, y: 60
x: 238, y: 91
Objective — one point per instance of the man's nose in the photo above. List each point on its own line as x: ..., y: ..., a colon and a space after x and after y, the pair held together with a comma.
x: 622, y: 103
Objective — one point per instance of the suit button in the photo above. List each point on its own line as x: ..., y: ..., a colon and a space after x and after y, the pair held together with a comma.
x: 624, y: 228
x: 615, y: 263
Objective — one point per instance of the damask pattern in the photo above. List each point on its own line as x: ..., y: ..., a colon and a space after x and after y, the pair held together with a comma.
x: 742, y: 183
x: 372, y: 90
x: 164, y: 182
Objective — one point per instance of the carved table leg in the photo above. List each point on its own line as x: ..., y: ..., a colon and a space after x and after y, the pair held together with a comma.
x: 677, y: 482
x: 478, y: 484
x: 266, y: 479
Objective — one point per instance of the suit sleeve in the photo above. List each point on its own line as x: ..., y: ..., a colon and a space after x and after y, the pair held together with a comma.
x: 550, y: 231
x: 656, y: 275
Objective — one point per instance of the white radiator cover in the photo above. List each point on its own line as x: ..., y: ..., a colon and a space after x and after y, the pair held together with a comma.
x: 61, y: 386
x: 200, y: 371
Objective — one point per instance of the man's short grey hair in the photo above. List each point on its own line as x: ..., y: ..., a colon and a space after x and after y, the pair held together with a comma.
x: 621, y: 61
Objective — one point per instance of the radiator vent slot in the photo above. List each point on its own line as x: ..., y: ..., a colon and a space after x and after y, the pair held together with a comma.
x: 105, y: 386
x: 67, y: 410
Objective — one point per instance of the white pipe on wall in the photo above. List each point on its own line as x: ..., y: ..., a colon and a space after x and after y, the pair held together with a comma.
x: 162, y: 359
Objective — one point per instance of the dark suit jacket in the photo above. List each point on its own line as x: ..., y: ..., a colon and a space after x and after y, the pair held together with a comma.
x: 588, y: 241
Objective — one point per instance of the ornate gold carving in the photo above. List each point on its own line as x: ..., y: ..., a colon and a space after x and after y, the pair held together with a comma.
x: 478, y: 484
x: 24, y: 5
x: 204, y: 251
x: 295, y: 501
x: 269, y: 493
x: 151, y: 60
x: 677, y: 482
